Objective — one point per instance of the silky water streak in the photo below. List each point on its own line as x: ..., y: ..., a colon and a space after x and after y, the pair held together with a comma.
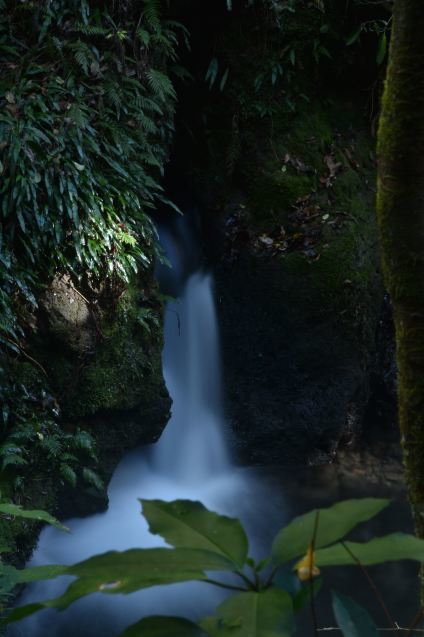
x: 192, y: 448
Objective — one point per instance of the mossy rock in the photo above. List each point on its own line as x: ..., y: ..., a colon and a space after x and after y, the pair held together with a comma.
x: 310, y: 353
x: 117, y: 369
x: 271, y: 195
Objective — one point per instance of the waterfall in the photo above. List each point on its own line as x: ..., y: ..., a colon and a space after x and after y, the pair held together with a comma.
x: 189, y: 461
x: 193, y: 377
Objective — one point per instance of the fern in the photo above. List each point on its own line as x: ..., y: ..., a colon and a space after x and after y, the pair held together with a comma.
x: 83, y: 440
x: 92, y: 30
x: 147, y: 123
x: 143, y: 36
x: 92, y: 478
x: 14, y: 460
x: 152, y: 14
x: 68, y: 474
x: 113, y: 94
x: 160, y: 84
x: 98, y: 121
x: 83, y: 54
x: 52, y: 446
x: 69, y: 458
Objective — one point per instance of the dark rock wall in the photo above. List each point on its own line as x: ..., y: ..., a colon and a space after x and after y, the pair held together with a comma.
x: 299, y: 287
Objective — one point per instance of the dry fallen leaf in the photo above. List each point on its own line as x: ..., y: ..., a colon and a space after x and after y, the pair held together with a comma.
x: 333, y: 166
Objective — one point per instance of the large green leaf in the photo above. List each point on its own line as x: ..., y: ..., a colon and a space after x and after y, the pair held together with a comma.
x: 334, y: 523
x: 129, y: 571
x: 184, y: 523
x: 17, y: 511
x: 267, y: 613
x: 397, y: 546
x: 353, y: 620
x: 164, y: 627
x: 11, y: 576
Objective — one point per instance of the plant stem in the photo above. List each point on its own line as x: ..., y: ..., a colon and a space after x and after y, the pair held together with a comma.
x: 311, y: 579
x: 250, y: 585
x: 415, y: 621
x: 271, y: 577
x: 222, y: 585
x: 373, y: 586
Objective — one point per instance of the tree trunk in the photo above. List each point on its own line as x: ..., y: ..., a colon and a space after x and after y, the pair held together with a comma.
x: 400, y: 206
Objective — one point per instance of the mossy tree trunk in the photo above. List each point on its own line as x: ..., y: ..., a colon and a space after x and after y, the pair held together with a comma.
x: 400, y: 204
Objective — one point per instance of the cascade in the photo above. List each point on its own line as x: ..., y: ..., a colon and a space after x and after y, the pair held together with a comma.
x: 189, y: 461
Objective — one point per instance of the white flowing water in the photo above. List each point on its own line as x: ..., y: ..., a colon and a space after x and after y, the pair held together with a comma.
x: 190, y: 461
x: 192, y: 448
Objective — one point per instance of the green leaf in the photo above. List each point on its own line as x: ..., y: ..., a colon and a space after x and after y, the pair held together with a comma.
x: 354, y: 36
x: 11, y: 576
x: 381, y: 48
x: 129, y: 571
x: 353, y: 620
x: 334, y: 523
x: 184, y: 523
x: 212, y: 72
x: 267, y: 613
x: 42, y: 516
x: 397, y: 546
x: 164, y: 627
x: 224, y: 80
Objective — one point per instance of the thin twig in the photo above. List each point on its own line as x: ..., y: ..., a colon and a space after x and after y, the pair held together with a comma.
x: 30, y: 358
x: 373, y: 586
x: 415, y: 621
x: 311, y: 577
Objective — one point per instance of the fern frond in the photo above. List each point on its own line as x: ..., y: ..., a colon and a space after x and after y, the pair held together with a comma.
x: 160, y: 84
x: 68, y: 474
x: 152, y: 15
x: 83, y: 440
x: 91, y: 477
x: 113, y: 94
x: 147, y: 123
x: 13, y: 460
x: 91, y: 29
x: 52, y: 446
x: 143, y: 36
x: 83, y: 55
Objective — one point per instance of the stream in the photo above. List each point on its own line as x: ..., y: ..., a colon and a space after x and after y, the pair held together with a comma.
x: 192, y: 461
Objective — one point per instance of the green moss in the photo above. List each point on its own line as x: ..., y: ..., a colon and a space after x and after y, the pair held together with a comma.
x: 124, y: 369
x: 400, y: 210
x: 272, y: 194
x: 288, y: 162
x: 342, y: 285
